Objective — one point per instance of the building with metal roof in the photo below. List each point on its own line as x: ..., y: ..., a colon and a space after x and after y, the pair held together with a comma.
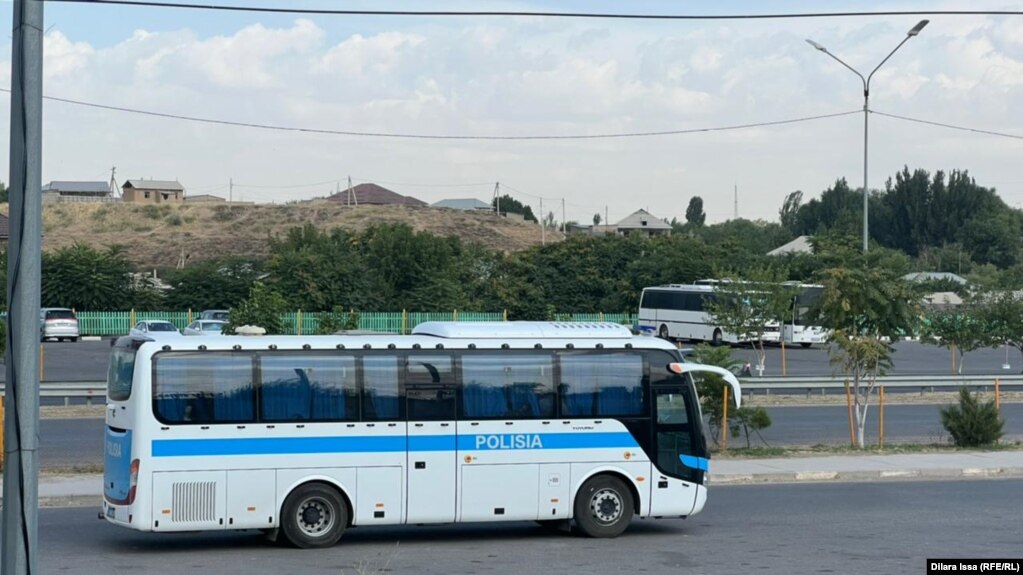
x: 641, y: 221
x: 77, y: 191
x: 800, y: 245
x: 464, y: 204
x: 153, y: 192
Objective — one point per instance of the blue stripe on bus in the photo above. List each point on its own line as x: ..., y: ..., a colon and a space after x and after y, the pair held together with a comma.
x: 363, y: 444
x: 700, y: 463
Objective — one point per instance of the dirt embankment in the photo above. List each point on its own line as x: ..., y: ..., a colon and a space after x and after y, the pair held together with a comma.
x: 164, y: 235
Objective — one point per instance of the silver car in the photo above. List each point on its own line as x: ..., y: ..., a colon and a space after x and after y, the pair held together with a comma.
x: 205, y: 327
x: 154, y: 327
x: 58, y: 323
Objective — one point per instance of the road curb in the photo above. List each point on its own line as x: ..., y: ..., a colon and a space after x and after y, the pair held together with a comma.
x: 858, y: 476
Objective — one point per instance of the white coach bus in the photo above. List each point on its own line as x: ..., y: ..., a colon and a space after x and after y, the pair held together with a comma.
x: 680, y: 312
x: 458, y: 422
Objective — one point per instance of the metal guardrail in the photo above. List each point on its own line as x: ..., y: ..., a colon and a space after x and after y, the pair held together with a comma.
x: 903, y: 382
x: 92, y: 390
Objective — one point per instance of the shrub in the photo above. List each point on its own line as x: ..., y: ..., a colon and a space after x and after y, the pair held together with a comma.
x: 174, y: 219
x: 749, y: 420
x: 972, y: 423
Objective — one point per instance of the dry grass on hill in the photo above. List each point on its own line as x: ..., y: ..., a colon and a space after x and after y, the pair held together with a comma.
x: 158, y: 236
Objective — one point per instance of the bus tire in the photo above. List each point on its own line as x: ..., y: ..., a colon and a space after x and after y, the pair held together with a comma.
x: 314, y: 516
x: 663, y: 333
x: 717, y: 339
x: 603, y: 507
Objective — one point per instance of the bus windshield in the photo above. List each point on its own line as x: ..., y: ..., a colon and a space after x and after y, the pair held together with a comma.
x: 119, y: 376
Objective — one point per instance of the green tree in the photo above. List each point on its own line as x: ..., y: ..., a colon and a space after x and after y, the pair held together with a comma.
x: 509, y: 205
x: 212, y: 284
x: 337, y: 320
x: 4, y: 194
x: 972, y: 423
x: 864, y: 308
x: 263, y: 308
x: 596, y: 219
x: 750, y: 421
x: 694, y: 212
x: 710, y: 386
x: 84, y: 278
x: 960, y: 330
x: 788, y: 215
x: 745, y: 306
x: 319, y: 270
x: 1002, y: 314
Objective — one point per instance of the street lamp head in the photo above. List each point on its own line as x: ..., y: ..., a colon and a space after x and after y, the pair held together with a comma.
x: 916, y: 29
x: 816, y: 45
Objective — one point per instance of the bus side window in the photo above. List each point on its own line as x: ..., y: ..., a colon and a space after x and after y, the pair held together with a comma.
x: 380, y: 400
x: 602, y: 384
x: 507, y: 385
x: 206, y: 387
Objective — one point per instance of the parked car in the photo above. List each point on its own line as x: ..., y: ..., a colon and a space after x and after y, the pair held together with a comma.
x: 58, y: 323
x: 217, y: 314
x: 205, y: 327
x: 154, y: 327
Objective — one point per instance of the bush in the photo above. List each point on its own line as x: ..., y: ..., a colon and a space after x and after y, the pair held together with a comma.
x: 972, y: 423
x: 263, y: 308
x: 749, y: 420
x: 174, y: 219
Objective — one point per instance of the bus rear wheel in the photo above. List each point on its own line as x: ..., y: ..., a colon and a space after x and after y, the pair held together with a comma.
x: 663, y: 333
x: 603, y: 507
x: 717, y: 339
x: 314, y: 516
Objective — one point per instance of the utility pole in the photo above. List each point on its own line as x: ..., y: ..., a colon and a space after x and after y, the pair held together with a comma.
x: 351, y: 194
x: 562, y: 216
x: 113, y: 182
x: 230, y: 190
x: 543, y: 225
x: 24, y: 271
x: 735, y: 209
x: 606, y: 222
x: 497, y: 197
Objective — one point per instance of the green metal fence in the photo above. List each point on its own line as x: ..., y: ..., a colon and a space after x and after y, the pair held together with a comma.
x: 299, y: 322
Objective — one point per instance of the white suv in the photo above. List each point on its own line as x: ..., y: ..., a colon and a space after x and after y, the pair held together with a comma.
x: 59, y: 323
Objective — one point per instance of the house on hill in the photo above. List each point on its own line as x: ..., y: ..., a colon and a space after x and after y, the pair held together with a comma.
x: 75, y: 191
x: 203, y: 198
x: 800, y: 245
x: 464, y: 204
x: 373, y: 195
x: 153, y: 192
x: 640, y: 222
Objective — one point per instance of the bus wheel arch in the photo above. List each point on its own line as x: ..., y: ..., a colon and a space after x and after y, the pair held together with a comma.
x: 663, y: 332
x: 718, y: 338
x: 315, y: 514
x: 612, y: 489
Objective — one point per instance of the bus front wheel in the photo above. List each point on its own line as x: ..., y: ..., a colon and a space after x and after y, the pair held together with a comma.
x: 314, y: 516
x: 603, y: 507
x: 664, y: 333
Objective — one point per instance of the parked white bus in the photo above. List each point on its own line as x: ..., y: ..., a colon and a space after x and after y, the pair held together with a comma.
x: 679, y: 312
x: 458, y: 422
x: 797, y: 328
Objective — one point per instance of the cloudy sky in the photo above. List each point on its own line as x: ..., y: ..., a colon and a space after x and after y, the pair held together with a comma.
x: 528, y: 76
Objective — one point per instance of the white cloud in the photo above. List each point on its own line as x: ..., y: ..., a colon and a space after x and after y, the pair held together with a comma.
x: 525, y: 76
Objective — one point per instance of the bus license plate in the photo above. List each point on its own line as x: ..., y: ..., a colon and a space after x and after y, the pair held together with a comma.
x: 110, y: 511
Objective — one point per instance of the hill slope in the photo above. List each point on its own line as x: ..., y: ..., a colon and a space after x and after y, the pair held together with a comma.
x: 161, y: 236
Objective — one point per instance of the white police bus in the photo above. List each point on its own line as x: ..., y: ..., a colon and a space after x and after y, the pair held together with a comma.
x: 458, y: 422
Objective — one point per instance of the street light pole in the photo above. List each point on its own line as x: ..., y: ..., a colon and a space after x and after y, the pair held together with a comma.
x: 866, y: 114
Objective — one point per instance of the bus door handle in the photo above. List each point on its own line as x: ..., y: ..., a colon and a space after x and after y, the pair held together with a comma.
x: 420, y: 465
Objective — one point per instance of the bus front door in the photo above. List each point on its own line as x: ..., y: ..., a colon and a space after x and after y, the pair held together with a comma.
x: 678, y: 453
x: 431, y: 455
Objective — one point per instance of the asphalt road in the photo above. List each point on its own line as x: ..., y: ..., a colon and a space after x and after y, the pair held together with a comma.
x: 855, y: 528
x: 87, y: 361
x: 79, y: 442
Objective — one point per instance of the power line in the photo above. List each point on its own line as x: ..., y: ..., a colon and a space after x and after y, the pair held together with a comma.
x: 950, y: 126
x: 492, y: 13
x: 399, y: 135
x: 289, y: 186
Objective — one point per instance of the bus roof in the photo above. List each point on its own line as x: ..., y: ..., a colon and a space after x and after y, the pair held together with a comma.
x: 522, y: 329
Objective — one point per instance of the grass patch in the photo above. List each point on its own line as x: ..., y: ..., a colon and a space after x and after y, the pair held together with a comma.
x: 811, y: 450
